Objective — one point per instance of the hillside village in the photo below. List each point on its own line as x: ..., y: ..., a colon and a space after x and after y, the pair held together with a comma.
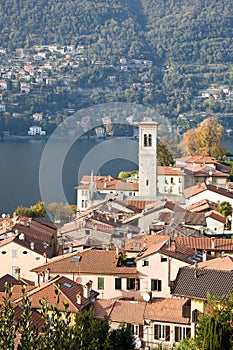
x: 42, y: 86
x: 145, y: 257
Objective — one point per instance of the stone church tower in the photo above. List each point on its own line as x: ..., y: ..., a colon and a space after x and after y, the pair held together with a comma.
x: 148, y: 133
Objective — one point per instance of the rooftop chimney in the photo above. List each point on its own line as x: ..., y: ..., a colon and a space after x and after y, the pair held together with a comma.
x: 17, y: 271
x: 86, y: 291
x: 32, y: 245
x: 212, y: 242
x: 172, y: 246
x: 71, y: 248
x: 79, y: 299
x: 204, y: 255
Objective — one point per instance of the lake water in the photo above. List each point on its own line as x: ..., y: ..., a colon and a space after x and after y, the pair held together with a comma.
x: 20, y: 167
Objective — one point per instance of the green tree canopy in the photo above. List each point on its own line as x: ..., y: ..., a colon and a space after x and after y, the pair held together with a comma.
x: 34, y: 211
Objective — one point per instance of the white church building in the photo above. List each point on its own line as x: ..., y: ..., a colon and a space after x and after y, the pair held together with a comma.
x: 154, y: 182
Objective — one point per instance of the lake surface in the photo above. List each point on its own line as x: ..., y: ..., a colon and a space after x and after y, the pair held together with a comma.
x: 21, y: 161
x: 21, y: 166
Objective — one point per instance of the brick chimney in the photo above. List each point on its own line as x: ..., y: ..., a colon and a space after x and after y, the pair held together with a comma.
x: 212, y: 242
x: 172, y: 246
x: 204, y: 253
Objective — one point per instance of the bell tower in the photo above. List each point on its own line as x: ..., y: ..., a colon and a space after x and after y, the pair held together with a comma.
x: 148, y: 133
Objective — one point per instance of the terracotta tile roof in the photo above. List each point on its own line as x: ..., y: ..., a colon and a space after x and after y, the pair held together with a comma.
x: 192, y: 191
x: 196, y: 283
x: 166, y: 310
x: 162, y: 310
x: 202, y: 205
x: 36, y: 317
x: 178, y: 231
x: 105, y: 183
x: 25, y: 231
x: 68, y: 291
x: 171, y: 249
x: 207, y: 243
x: 103, y: 307
x: 10, y: 280
x: 185, y: 218
x: 222, y: 263
x: 216, y: 216
x: 128, y: 311
x: 167, y: 170
x: 145, y: 240
x: 91, y: 261
x: 206, y: 171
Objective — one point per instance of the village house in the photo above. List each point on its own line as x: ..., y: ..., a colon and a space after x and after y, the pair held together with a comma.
x: 25, y: 242
x: 98, y: 187
x: 170, y: 180
x: 79, y: 297
x: 214, y: 277
x: 153, y: 321
x: 203, y: 191
x: 36, y: 130
x: 199, y: 169
x: 119, y: 273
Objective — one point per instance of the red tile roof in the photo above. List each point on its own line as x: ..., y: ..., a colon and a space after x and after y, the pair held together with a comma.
x: 105, y: 183
x: 199, y: 188
x: 68, y: 291
x: 206, y: 243
x: 88, y: 261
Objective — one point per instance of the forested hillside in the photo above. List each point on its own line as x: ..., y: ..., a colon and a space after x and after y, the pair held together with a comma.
x: 174, y: 56
x: 168, y: 31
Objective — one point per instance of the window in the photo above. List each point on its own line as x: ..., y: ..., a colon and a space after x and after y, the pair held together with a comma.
x: 14, y: 253
x: 162, y: 332
x: 145, y: 263
x: 135, y: 329
x: 156, y: 285
x: 166, y: 182
x: 100, y: 282
x: 182, y: 333
x: 25, y: 252
x: 179, y: 180
x: 149, y: 140
x: 163, y: 258
x: 147, y: 182
x: 83, y: 203
x: 133, y: 283
x: 172, y: 181
x: 145, y: 140
x: 195, y: 315
x: 3, y: 252
x: 88, y: 232
x: 118, y: 283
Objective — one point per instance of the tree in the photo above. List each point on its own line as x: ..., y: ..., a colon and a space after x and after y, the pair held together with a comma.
x: 34, y: 211
x: 164, y: 155
x: 205, y: 140
x: 215, y: 329
x: 8, y: 327
x: 61, y: 212
x: 225, y: 209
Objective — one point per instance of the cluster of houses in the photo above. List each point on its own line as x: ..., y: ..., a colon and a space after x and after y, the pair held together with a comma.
x: 53, y: 68
x: 145, y: 260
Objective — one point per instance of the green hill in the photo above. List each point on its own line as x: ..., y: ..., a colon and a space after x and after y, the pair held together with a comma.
x: 187, y: 44
x: 167, y: 31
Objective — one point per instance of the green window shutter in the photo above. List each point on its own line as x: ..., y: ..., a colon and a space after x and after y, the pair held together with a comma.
x: 118, y: 283
x: 100, y: 282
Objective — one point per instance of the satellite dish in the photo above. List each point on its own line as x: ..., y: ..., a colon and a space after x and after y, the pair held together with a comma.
x: 146, y: 297
x: 79, y: 280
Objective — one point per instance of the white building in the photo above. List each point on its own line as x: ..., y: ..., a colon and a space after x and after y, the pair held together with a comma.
x: 148, y: 132
x: 36, y: 130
